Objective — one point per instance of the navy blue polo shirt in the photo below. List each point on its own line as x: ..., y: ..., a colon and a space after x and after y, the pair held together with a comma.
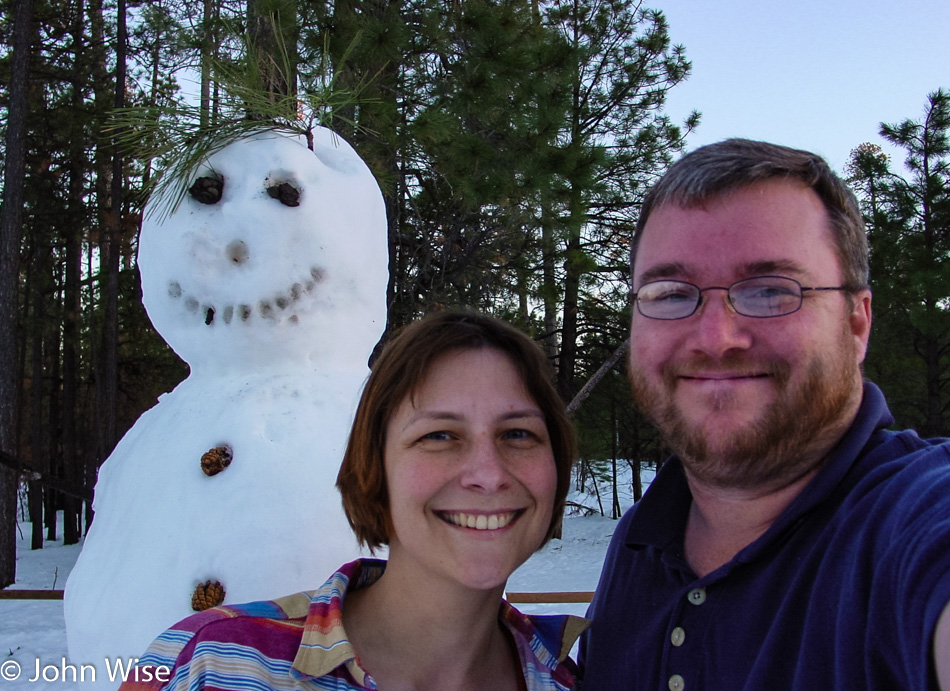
x: 843, y: 591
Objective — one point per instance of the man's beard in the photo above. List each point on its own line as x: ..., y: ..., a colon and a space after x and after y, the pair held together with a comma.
x: 779, y: 446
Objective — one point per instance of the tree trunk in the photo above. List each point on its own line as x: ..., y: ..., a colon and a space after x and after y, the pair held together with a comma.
x: 38, y: 431
x: 549, y: 288
x: 377, y: 127
x: 102, y: 86
x: 615, y: 511
x: 573, y: 265
x: 49, y: 504
x: 207, y: 44
x: 72, y: 465
x: 10, y: 234
x: 933, y: 375
x: 109, y: 261
x: 272, y: 30
x: 601, y: 372
x: 572, y: 283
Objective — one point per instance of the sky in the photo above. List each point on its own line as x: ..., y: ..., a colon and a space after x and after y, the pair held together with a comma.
x: 813, y: 74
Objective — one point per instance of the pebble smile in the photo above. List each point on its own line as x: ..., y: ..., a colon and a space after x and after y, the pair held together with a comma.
x: 267, y: 308
x: 494, y: 521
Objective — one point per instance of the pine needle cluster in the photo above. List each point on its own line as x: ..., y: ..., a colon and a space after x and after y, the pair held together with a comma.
x: 261, y: 92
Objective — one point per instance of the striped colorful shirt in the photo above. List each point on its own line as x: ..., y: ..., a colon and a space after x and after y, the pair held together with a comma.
x: 298, y: 642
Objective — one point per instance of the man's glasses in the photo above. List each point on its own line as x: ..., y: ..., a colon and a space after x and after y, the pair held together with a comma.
x: 761, y: 296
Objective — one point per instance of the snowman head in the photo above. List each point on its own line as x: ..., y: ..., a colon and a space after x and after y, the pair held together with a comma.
x: 276, y: 256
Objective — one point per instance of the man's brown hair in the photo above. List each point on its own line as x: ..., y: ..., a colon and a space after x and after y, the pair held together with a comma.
x: 713, y: 171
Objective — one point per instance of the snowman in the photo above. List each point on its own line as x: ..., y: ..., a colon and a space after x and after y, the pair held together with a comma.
x: 269, y: 280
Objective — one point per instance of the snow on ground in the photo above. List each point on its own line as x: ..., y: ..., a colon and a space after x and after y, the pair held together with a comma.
x: 34, y: 630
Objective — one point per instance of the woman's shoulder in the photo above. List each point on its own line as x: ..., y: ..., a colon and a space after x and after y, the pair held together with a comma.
x: 222, y: 638
x: 238, y: 621
x: 267, y: 633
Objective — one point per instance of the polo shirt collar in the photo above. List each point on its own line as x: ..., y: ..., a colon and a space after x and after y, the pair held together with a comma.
x: 660, y: 517
x: 324, y: 645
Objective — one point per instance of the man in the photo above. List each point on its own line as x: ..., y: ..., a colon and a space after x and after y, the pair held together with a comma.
x: 792, y: 541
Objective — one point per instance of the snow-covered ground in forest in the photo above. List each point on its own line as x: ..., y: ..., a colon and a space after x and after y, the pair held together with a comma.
x: 34, y: 630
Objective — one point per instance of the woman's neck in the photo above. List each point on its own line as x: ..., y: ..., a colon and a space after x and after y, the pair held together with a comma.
x: 411, y: 632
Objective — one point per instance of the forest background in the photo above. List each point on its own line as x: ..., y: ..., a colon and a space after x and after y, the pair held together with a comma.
x: 513, y: 141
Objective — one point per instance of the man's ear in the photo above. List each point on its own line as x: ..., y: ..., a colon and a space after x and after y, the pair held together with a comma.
x: 860, y: 322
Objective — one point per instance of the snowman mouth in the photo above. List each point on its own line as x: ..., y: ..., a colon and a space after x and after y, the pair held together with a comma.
x: 268, y: 308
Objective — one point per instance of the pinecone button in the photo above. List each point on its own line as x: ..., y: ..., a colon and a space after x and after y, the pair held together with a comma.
x: 207, y: 595
x: 216, y: 460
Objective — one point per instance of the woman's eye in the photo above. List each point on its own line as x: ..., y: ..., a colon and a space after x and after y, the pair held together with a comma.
x: 437, y: 436
x: 524, y: 437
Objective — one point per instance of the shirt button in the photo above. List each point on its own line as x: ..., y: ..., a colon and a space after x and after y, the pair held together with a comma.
x: 677, y: 683
x: 678, y: 637
x: 697, y: 596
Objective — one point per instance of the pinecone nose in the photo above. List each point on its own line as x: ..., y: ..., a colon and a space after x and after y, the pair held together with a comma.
x: 237, y: 252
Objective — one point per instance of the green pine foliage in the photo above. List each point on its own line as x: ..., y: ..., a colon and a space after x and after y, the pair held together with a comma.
x: 177, y: 137
x: 512, y: 141
x: 908, y: 219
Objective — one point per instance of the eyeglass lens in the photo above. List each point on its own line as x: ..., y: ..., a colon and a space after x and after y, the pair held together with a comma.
x: 762, y: 296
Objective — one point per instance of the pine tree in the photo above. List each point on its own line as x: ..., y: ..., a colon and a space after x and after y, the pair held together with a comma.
x: 616, y: 142
x: 10, y: 224
x: 908, y: 219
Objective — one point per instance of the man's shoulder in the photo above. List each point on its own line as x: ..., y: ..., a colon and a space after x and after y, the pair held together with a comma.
x: 902, y: 486
x: 907, y: 442
x: 903, y: 457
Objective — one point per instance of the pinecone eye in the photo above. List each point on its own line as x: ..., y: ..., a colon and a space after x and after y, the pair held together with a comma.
x: 207, y: 189
x: 287, y: 194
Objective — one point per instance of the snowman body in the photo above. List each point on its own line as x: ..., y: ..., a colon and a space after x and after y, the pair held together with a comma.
x: 272, y: 288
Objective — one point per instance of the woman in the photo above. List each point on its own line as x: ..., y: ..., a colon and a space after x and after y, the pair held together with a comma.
x: 459, y: 460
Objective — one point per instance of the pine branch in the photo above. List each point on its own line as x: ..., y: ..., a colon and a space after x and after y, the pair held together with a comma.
x: 175, y: 137
x: 608, y: 365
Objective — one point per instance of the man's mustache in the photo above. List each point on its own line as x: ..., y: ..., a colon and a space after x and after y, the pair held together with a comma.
x: 731, y: 364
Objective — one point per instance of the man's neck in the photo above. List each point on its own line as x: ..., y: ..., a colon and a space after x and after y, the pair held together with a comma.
x: 722, y: 522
